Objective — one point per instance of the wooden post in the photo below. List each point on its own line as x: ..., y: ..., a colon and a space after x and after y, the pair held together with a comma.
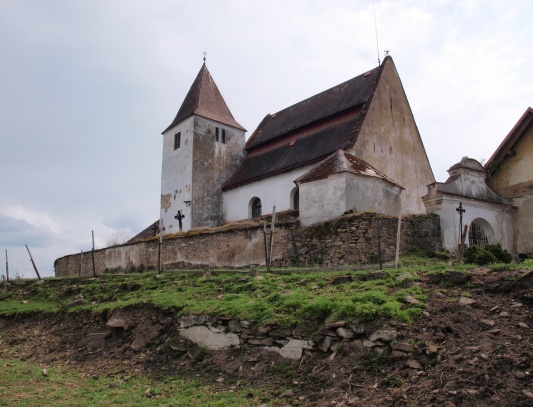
x: 379, y: 245
x: 5, y: 283
x: 94, y: 266
x: 7, y: 269
x: 397, y: 261
x: 34, y: 266
x: 266, y: 245
x: 462, y: 245
x: 81, y: 263
x: 271, y: 236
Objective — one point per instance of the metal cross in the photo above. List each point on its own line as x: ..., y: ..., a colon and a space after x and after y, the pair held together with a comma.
x: 461, y: 210
x: 179, y: 217
x: 205, y: 53
x: 155, y: 229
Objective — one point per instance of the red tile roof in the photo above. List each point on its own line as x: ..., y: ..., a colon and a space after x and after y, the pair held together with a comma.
x: 339, y: 162
x: 315, y: 127
x: 204, y: 99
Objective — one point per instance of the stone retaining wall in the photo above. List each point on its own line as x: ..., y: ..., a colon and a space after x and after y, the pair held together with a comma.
x: 349, y: 240
x: 220, y: 333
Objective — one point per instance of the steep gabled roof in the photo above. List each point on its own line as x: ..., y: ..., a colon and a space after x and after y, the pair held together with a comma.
x: 340, y: 162
x: 308, y: 131
x: 352, y: 93
x: 507, y: 145
x: 204, y: 99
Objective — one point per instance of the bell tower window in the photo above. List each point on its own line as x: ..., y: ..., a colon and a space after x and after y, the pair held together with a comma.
x: 177, y: 140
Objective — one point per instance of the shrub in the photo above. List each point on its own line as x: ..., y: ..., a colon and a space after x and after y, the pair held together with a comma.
x: 479, y: 256
x: 491, y: 253
x: 501, y: 255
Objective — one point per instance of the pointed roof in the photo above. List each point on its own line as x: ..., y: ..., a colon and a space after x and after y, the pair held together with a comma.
x: 309, y: 131
x: 508, y: 144
x: 339, y: 162
x: 204, y: 99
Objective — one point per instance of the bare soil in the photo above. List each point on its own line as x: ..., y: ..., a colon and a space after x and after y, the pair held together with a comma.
x: 477, y: 354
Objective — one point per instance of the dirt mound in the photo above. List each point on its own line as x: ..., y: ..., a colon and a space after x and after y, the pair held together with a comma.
x: 471, y: 347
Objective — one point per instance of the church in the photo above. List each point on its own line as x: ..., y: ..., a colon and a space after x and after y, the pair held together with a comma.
x: 353, y: 147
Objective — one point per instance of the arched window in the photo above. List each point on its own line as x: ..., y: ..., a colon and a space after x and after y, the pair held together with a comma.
x: 295, y: 199
x: 255, y: 208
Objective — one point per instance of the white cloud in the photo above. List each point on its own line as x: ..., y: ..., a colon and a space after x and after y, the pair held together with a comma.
x: 39, y: 220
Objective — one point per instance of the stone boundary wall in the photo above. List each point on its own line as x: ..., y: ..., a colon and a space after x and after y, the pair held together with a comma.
x: 349, y: 240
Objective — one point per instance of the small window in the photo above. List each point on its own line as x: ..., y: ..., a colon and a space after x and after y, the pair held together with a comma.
x: 177, y: 140
x: 216, y: 133
x: 256, y: 208
x: 223, y: 139
x: 296, y: 200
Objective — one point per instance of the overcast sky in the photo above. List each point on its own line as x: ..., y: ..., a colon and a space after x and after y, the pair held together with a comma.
x: 87, y: 86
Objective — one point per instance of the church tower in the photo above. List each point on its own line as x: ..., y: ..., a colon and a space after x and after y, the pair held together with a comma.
x: 202, y: 148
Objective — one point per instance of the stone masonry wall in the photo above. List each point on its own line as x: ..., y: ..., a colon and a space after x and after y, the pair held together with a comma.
x: 220, y: 333
x: 349, y: 240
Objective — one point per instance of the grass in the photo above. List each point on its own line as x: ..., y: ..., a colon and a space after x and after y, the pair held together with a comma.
x: 287, y: 298
x: 23, y: 384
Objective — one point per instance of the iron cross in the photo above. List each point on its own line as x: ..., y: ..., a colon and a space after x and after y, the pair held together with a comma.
x: 179, y: 217
x: 461, y: 210
x: 155, y: 228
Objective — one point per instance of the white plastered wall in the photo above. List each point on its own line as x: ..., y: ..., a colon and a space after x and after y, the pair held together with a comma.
x: 329, y: 198
x: 272, y: 191
x: 176, y: 177
x: 498, y: 217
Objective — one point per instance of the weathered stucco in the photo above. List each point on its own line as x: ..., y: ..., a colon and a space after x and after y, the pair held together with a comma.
x: 192, y: 175
x: 516, y: 168
x: 213, y: 163
x: 514, y: 179
x: 389, y: 140
x: 351, y: 239
x: 176, y: 176
x: 330, y: 197
x: 467, y: 185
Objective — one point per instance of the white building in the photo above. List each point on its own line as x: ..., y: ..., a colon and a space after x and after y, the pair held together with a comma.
x: 487, y: 214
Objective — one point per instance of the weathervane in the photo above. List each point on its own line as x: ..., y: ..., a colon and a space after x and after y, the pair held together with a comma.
x: 205, y: 53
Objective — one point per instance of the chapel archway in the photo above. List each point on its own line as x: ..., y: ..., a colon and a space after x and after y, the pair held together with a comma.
x: 480, y: 233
